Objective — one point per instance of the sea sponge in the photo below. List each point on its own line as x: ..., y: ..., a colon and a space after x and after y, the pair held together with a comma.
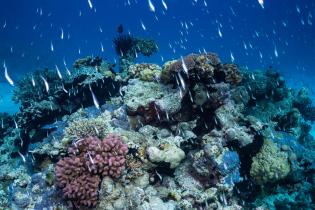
x: 270, y: 164
x: 90, y: 159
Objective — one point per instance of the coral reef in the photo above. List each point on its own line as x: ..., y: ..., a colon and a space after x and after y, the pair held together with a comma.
x: 79, y: 175
x: 194, y: 134
x: 45, y: 97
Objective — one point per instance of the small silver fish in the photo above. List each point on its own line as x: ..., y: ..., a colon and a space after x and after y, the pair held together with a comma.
x: 95, y: 101
x: 182, y: 82
x: 51, y: 47
x: 64, y: 89
x: 22, y: 156
x: 58, y: 72
x: 152, y: 8
x: 184, y: 66
x: 90, y: 4
x: 143, y: 26
x: 61, y: 36
x: 33, y: 81
x: 164, y: 4
x: 46, y: 83
x: 16, y: 125
x: 261, y: 3
x: 6, y: 74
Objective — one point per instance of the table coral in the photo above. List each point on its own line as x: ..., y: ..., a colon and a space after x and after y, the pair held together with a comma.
x: 90, y: 159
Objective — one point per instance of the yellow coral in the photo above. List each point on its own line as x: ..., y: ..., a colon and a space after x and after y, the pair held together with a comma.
x: 147, y: 75
x: 144, y: 71
x: 270, y: 164
x: 166, y: 71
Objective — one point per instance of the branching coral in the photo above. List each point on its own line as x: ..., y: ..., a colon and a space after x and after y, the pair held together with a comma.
x: 123, y: 44
x: 6, y: 123
x: 99, y: 126
x: 31, y: 88
x: 127, y: 47
x: 45, y: 96
x: 90, y: 159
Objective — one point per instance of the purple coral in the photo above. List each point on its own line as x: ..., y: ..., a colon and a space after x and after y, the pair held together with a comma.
x: 79, y: 175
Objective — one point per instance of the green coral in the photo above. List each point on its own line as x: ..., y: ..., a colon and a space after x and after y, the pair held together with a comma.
x: 147, y: 74
x: 166, y: 71
x: 270, y: 164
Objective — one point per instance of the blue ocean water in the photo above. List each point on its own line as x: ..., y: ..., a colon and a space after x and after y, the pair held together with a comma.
x: 251, y: 33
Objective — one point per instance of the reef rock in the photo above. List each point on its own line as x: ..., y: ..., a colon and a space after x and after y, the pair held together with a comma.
x: 151, y: 101
x: 169, y: 154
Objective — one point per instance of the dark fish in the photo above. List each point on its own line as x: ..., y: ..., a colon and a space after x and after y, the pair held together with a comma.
x: 120, y: 29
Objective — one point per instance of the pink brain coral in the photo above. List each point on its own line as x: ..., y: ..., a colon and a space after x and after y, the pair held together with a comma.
x: 79, y: 175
